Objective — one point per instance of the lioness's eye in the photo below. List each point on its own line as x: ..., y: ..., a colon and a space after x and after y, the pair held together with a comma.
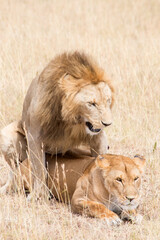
x: 136, y: 178
x: 92, y: 104
x: 119, y: 179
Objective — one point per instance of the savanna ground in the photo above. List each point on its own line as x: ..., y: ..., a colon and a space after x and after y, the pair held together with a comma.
x: 124, y: 37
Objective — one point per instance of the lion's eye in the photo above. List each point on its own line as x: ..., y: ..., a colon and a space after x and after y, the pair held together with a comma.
x: 136, y: 178
x: 118, y: 179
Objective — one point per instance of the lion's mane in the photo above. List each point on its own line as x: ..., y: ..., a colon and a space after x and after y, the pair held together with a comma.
x: 83, y: 70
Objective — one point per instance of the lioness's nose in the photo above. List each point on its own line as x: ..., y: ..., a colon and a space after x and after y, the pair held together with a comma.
x: 130, y: 198
x: 106, y: 124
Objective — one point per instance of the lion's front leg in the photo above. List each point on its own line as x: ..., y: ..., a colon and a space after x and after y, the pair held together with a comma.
x: 36, y: 156
x: 99, y: 144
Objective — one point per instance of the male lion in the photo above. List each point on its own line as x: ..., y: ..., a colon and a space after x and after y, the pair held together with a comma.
x: 69, y: 104
x: 106, y: 187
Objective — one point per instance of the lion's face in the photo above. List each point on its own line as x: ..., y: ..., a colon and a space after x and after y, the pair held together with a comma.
x: 90, y: 106
x: 122, y: 179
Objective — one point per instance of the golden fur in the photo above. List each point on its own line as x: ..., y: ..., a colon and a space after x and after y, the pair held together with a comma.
x: 94, y: 187
x: 79, y: 71
x: 106, y: 187
x: 69, y: 104
x: 56, y: 111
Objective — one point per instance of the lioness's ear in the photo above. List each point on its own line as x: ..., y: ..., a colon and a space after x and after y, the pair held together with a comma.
x: 102, y: 162
x: 140, y: 162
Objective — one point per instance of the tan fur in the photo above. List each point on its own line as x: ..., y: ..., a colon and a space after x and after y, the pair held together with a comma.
x: 71, y: 91
x: 92, y: 186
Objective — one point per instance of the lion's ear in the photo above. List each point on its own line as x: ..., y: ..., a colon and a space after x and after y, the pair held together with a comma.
x: 140, y: 162
x: 67, y: 83
x: 102, y: 162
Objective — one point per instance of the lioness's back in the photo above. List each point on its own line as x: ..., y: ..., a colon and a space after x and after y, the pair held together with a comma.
x: 64, y: 174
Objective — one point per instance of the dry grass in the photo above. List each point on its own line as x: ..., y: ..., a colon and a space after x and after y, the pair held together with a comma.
x: 124, y: 37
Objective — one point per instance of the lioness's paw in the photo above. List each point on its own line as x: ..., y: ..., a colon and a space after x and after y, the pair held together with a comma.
x: 137, y: 219
x: 113, y: 221
x: 132, y: 217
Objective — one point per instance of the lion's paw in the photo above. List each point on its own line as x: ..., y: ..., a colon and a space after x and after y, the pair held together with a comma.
x: 113, y: 221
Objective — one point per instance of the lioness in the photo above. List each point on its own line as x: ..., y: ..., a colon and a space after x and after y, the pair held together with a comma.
x: 106, y: 187
x: 67, y: 105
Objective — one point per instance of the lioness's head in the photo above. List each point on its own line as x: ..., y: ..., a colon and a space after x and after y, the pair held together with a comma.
x: 87, y: 95
x: 122, y: 179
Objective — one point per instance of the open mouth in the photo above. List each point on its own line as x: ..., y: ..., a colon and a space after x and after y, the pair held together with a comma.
x: 90, y: 126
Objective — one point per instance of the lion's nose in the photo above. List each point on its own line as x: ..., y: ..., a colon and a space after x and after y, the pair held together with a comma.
x: 130, y: 198
x: 106, y: 124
